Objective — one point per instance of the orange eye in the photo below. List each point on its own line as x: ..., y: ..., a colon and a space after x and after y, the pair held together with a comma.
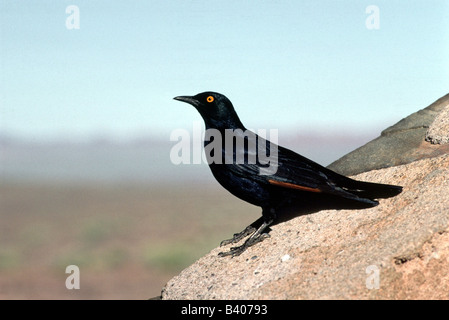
x: 210, y: 99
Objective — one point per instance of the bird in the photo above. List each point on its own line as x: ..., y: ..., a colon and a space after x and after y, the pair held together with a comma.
x: 289, y: 179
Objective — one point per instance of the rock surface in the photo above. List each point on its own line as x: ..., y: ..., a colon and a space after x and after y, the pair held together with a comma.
x: 397, y: 250
x: 401, y: 143
x: 438, y: 132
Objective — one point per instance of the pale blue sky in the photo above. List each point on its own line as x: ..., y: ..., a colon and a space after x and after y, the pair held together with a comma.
x: 285, y: 64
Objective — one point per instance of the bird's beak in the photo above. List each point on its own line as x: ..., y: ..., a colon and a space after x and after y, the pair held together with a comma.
x: 188, y: 99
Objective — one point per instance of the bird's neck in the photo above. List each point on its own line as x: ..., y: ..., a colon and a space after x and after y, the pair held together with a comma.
x: 232, y: 121
x: 222, y: 125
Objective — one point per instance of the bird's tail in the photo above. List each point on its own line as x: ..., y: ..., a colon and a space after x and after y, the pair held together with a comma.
x: 370, y: 190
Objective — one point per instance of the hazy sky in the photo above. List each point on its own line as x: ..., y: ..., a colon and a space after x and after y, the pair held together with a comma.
x: 285, y: 64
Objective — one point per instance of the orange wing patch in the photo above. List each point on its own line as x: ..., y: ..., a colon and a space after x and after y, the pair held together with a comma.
x: 293, y: 186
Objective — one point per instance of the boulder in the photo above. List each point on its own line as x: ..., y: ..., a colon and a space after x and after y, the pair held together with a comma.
x: 401, y: 143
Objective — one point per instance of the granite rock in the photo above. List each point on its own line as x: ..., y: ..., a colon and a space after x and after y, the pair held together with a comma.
x: 401, y: 143
x: 438, y: 132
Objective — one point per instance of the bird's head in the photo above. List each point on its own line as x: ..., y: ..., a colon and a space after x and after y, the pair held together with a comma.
x: 216, y: 110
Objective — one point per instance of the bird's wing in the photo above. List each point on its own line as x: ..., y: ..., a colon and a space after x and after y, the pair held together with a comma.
x: 283, y: 167
x: 297, y: 172
x: 294, y: 172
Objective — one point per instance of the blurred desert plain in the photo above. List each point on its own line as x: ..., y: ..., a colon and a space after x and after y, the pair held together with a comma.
x: 119, y: 210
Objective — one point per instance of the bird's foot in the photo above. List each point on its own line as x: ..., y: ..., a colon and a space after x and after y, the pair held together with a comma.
x: 239, y: 236
x: 256, y: 237
x: 236, y: 251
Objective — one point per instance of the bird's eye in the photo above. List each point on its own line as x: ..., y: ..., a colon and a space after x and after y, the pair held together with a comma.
x: 210, y: 99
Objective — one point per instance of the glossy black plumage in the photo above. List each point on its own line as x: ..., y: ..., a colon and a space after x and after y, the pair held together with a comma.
x: 294, y: 179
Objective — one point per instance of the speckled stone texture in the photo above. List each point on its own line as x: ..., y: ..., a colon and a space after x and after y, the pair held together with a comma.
x: 438, y: 132
x: 401, y: 143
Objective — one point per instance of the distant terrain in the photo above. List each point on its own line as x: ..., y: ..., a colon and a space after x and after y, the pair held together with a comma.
x: 144, y: 160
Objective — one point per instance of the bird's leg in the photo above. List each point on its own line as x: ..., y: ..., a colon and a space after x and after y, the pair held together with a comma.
x: 256, y: 237
x: 239, y: 236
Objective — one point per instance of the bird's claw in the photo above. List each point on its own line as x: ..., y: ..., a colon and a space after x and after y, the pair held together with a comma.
x: 236, y: 251
x: 238, y: 236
